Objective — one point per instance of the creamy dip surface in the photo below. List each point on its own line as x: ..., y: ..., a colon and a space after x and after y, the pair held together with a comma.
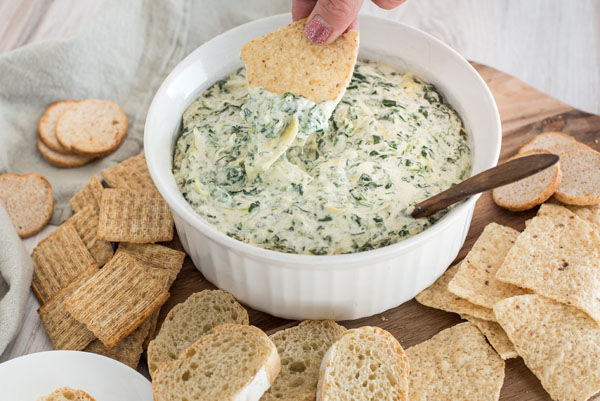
x: 274, y: 171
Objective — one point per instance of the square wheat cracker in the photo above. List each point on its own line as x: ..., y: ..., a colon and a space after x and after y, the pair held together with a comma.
x: 437, y: 296
x: 131, y: 347
x: 495, y: 336
x: 285, y: 61
x: 129, y: 174
x: 558, y: 256
x: 90, y: 194
x: 134, y: 216
x: 64, y: 331
x: 85, y: 222
x: 57, y: 260
x: 591, y: 214
x: 155, y: 255
x: 475, y: 279
x: 117, y: 299
x: 559, y: 343
x: 455, y: 364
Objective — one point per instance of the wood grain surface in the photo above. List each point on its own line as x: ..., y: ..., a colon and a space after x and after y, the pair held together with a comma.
x: 525, y: 112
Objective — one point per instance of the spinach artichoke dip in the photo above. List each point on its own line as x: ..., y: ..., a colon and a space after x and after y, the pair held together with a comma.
x: 277, y: 172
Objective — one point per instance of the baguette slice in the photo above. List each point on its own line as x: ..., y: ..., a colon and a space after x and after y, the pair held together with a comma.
x: 531, y: 191
x: 581, y: 178
x: 67, y: 394
x: 301, y: 349
x: 190, y: 320
x: 235, y: 362
x: 547, y: 140
x: 366, y: 363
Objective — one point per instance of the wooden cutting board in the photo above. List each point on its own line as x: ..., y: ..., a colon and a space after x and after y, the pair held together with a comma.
x: 525, y: 112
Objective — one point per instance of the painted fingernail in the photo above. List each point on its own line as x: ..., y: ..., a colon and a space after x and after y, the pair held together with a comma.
x: 317, y: 30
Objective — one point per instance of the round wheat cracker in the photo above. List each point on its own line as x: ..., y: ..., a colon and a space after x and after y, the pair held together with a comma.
x: 507, y: 196
x: 92, y: 127
x: 62, y: 160
x: 47, y: 124
x: 28, y: 208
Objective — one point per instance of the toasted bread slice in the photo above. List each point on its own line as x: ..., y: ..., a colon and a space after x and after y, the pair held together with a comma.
x: 366, y: 363
x: 191, y: 320
x: 581, y: 178
x: 547, y: 140
x: 301, y: 349
x: 531, y: 191
x: 67, y: 394
x: 47, y: 124
x: 92, y: 128
x: 62, y: 159
x: 235, y: 362
x: 28, y: 202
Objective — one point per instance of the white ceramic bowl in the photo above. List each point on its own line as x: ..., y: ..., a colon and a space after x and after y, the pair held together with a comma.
x: 323, y: 287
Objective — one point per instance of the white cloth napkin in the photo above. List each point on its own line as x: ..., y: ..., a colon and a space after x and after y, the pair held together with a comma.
x: 122, y: 56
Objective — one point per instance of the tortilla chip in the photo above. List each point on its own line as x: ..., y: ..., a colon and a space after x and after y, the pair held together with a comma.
x: 455, y: 364
x: 285, y: 61
x: 85, y: 222
x: 591, y: 214
x: 134, y: 216
x: 559, y: 344
x: 129, y: 174
x: 558, y: 256
x: 475, y: 279
x: 64, y: 331
x: 117, y: 299
x: 90, y: 194
x: 156, y: 256
x: 495, y: 336
x: 437, y: 296
x: 57, y: 260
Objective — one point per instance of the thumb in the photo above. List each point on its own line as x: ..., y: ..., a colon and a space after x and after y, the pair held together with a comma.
x: 329, y: 19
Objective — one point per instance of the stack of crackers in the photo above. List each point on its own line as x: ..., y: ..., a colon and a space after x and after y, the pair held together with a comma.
x: 535, y: 294
x: 93, y: 298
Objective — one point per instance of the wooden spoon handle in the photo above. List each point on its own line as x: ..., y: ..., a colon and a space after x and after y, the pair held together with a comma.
x: 498, y: 176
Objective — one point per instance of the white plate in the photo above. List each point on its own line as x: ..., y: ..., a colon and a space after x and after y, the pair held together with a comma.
x: 30, y: 376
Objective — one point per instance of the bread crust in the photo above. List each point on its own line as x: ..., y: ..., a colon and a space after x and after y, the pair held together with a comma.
x: 50, y: 199
x: 525, y: 148
x: 541, y: 197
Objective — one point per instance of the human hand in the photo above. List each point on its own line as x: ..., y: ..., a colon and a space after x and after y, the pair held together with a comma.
x: 328, y: 19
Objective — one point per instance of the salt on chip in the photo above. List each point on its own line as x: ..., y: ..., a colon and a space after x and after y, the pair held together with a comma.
x: 495, y: 336
x: 455, y: 364
x: 475, y: 279
x: 90, y: 194
x: 131, y: 173
x: 437, y: 296
x: 117, y: 299
x: 64, y: 331
x: 285, y: 61
x: 85, y: 222
x: 558, y: 256
x: 57, y: 260
x: 134, y: 216
x: 559, y: 343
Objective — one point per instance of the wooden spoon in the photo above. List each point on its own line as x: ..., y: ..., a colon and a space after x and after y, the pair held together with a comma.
x: 498, y: 176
